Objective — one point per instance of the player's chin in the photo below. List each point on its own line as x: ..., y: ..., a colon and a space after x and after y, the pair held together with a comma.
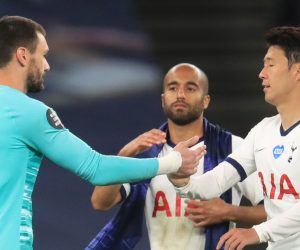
x: 270, y: 99
x: 37, y: 88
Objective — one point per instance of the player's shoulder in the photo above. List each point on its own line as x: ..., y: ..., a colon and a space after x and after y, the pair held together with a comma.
x: 236, y: 141
x: 35, y: 105
x: 16, y: 99
x: 271, y: 119
x: 19, y: 103
x: 216, y: 129
x: 27, y: 110
x: 268, y: 122
x: 42, y: 113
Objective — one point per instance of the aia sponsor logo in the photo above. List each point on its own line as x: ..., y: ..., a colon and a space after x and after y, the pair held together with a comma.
x: 163, y: 206
x: 280, y: 186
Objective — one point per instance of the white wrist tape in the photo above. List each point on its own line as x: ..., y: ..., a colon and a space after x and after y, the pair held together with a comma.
x: 169, y: 163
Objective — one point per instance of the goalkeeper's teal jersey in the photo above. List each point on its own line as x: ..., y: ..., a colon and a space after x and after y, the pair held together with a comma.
x: 30, y: 130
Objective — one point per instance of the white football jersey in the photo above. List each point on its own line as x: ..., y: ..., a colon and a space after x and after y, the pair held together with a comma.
x: 166, y: 218
x: 275, y: 154
x: 277, y: 158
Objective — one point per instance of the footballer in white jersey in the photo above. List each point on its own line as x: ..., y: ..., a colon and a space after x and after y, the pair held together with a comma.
x: 166, y: 218
x: 278, y: 154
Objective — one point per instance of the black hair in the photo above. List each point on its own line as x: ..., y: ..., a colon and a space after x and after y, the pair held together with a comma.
x: 17, y: 31
x: 288, y: 39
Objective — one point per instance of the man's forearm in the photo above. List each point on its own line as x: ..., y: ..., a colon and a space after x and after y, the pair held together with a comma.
x: 209, y: 185
x: 248, y: 215
x: 105, y: 197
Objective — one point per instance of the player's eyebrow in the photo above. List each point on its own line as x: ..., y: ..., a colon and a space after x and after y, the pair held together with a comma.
x: 268, y: 59
x: 192, y: 83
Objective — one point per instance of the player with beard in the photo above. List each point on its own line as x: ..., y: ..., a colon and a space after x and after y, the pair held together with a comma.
x: 35, y: 80
x: 172, y: 222
x: 30, y: 130
x: 271, y: 148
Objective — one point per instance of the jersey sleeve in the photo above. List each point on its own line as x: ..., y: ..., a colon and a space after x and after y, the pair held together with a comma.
x: 251, y: 186
x: 236, y: 142
x: 236, y: 167
x: 47, y: 136
x: 281, y: 226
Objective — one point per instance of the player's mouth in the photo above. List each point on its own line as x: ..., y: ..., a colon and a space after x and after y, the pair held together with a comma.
x: 265, y: 87
x: 180, y: 105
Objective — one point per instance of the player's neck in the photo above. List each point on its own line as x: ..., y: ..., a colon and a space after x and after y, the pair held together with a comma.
x: 289, y: 112
x: 11, y: 79
x: 183, y: 133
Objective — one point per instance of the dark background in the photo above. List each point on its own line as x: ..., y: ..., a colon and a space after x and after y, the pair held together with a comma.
x: 108, y: 59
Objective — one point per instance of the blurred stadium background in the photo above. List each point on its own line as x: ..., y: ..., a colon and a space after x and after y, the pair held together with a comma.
x: 107, y: 61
